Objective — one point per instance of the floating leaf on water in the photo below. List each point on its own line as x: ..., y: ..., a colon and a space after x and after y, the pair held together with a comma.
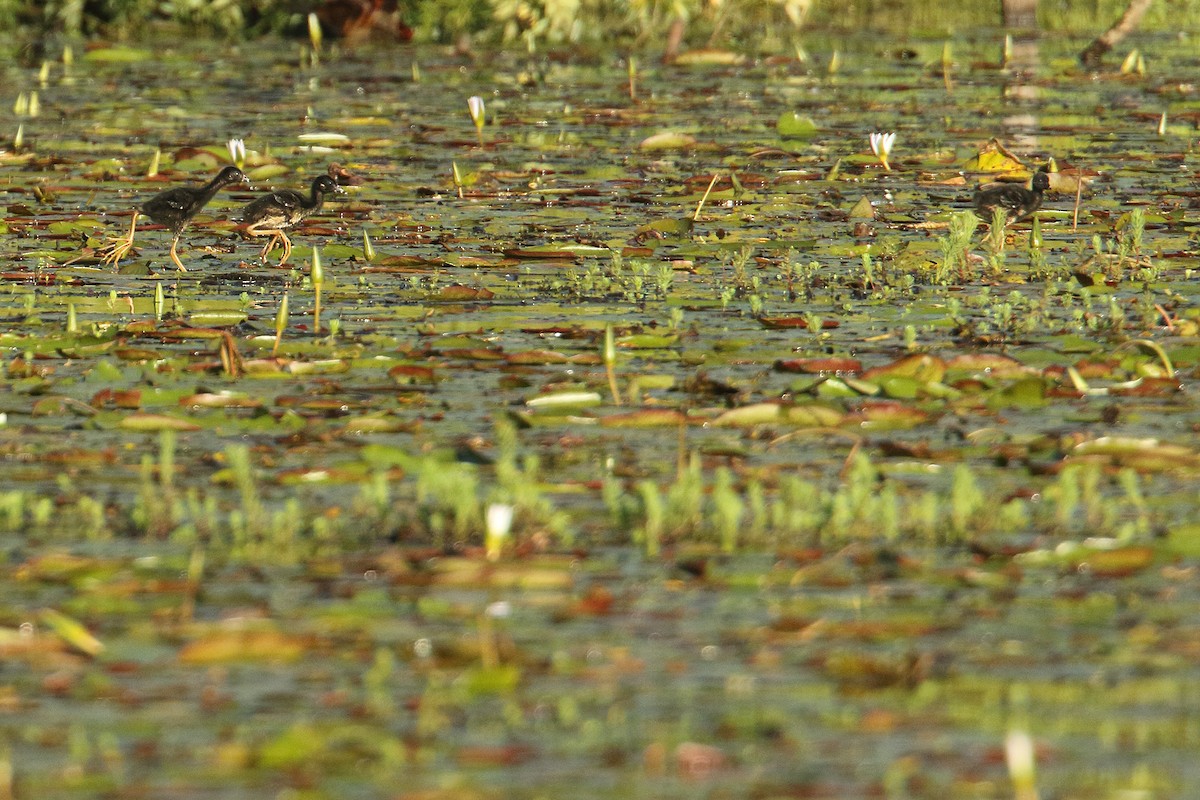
x: 1148, y: 387
x: 990, y: 364
x: 879, y: 415
x: 921, y: 367
x: 1119, y: 562
x: 568, y: 398
x: 1143, y: 455
x: 900, y: 387
x: 220, y: 400
x: 353, y: 473
x: 783, y: 323
x: 82, y: 225
x: 1027, y: 392
x: 994, y: 157
x: 671, y: 226
x: 668, y: 141
x: 267, y: 171
x: 793, y: 125
x: 193, y: 333
x: 226, y: 646
x: 326, y: 366
x: 225, y: 319
x: 647, y: 341
x: 820, y: 366
x: 502, y: 679
x: 458, y: 293
x: 532, y: 357
x: 323, y: 137
x: 55, y: 405
x: 810, y: 415
x: 644, y: 418
x: 136, y: 354
x: 411, y: 373
x: 542, y: 251
x: 262, y: 367
x: 379, y: 423
x: 118, y: 54
x: 837, y: 387
x: 709, y: 57
x: 474, y: 353
x: 149, y: 423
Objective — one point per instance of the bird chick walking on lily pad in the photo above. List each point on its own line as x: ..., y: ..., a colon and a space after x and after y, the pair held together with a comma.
x: 1016, y: 202
x: 173, y: 209
x: 280, y: 211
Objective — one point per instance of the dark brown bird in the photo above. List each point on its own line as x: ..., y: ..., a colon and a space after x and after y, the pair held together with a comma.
x: 173, y: 209
x: 1017, y: 202
x: 282, y: 210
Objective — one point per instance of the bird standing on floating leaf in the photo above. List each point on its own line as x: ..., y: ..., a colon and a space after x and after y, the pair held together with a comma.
x: 1017, y: 202
x: 173, y: 209
x: 274, y: 213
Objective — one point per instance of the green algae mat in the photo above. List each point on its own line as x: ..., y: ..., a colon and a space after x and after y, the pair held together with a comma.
x: 634, y: 431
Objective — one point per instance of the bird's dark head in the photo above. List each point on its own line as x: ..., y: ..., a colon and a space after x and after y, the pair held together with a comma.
x: 230, y: 175
x: 1041, y: 181
x: 326, y: 185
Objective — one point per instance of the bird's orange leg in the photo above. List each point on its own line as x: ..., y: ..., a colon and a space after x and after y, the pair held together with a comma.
x: 175, y: 256
x: 118, y: 246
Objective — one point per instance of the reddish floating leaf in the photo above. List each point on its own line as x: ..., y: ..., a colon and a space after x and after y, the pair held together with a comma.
x: 696, y: 760
x: 783, y: 323
x: 1089, y: 368
x: 497, y: 756
x: 988, y: 363
x: 921, y: 367
x: 136, y: 354
x: 820, y: 366
x: 1148, y: 387
x: 535, y: 357
x: 533, y: 253
x: 117, y: 399
x: 411, y: 373
x: 887, y: 414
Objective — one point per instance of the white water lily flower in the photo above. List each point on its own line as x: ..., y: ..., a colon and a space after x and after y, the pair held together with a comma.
x: 476, y: 108
x: 237, y: 152
x: 881, y: 146
x: 498, y: 522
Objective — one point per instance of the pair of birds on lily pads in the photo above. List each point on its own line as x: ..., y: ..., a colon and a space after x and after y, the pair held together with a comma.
x: 275, y: 213
x: 269, y: 215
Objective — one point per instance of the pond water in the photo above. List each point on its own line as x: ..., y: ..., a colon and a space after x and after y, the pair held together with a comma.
x: 853, y: 504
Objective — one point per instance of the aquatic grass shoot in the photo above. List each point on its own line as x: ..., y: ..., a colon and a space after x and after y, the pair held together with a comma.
x: 609, y: 356
x: 315, y: 39
x: 281, y: 323
x: 368, y: 247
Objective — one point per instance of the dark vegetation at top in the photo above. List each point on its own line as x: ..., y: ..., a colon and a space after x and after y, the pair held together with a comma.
x: 750, y: 25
